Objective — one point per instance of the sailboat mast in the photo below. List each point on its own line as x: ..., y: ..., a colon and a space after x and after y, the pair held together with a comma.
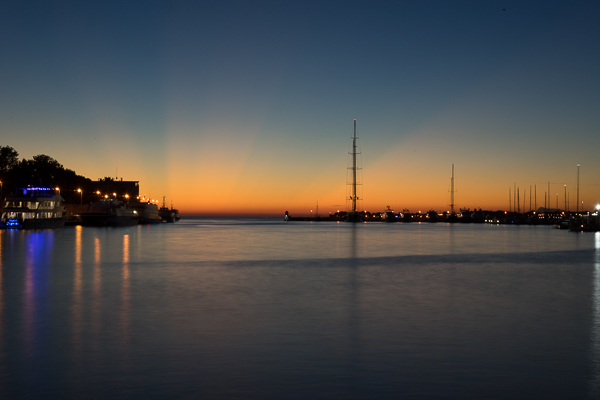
x: 578, y: 189
x: 354, y: 169
x: 452, y: 191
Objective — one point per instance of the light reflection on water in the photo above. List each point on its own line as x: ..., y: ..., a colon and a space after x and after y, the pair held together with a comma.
x: 264, y: 309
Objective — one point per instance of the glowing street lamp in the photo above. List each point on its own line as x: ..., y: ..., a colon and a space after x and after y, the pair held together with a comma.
x: 80, y: 196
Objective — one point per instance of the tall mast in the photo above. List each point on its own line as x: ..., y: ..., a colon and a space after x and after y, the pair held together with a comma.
x: 515, y: 198
x: 578, y: 187
x: 354, y: 169
x: 452, y: 191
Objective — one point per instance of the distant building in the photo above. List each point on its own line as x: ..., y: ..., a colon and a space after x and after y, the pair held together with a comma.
x: 119, y: 188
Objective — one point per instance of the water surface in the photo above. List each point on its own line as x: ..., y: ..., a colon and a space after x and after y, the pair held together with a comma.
x: 259, y: 308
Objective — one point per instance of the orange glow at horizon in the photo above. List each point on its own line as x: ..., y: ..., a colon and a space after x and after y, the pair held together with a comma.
x: 414, y: 194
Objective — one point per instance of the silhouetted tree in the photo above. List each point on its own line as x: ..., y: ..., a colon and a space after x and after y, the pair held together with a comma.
x: 9, y: 158
x: 42, y: 170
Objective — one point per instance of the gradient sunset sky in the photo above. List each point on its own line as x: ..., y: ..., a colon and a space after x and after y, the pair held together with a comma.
x: 247, y: 107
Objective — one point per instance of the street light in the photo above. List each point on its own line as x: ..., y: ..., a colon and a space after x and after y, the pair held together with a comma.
x: 80, y: 196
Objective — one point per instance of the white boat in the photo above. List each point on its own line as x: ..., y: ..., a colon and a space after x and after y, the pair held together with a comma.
x: 33, y: 208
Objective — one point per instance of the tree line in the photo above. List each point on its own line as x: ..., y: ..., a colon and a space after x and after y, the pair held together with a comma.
x: 41, y: 170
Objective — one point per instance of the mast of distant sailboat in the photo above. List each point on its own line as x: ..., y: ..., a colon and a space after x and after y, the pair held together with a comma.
x: 353, y: 215
x: 354, y: 169
x: 452, y: 192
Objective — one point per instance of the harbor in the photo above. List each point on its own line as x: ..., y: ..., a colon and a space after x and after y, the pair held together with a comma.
x: 111, y: 203
x: 577, y: 221
x: 277, y: 200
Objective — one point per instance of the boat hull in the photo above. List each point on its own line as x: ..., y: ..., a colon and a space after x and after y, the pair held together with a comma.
x: 109, y: 213
x: 108, y: 220
x: 46, y: 223
x: 33, y: 208
x: 354, y: 217
x: 147, y: 213
x: 167, y: 215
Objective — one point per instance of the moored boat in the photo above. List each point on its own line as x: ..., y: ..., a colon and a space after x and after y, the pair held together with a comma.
x: 389, y: 215
x: 432, y: 216
x: 147, y: 213
x: 109, y: 212
x: 167, y: 214
x: 33, y: 208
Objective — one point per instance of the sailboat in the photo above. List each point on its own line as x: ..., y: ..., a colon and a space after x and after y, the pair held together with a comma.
x: 353, y: 215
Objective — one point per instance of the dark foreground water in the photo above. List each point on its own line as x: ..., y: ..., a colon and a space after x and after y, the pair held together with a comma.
x: 265, y: 309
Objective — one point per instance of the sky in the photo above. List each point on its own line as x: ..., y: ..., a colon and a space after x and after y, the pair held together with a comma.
x: 247, y: 107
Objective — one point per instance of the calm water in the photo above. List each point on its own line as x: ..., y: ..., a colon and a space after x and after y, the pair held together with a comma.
x: 263, y: 309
